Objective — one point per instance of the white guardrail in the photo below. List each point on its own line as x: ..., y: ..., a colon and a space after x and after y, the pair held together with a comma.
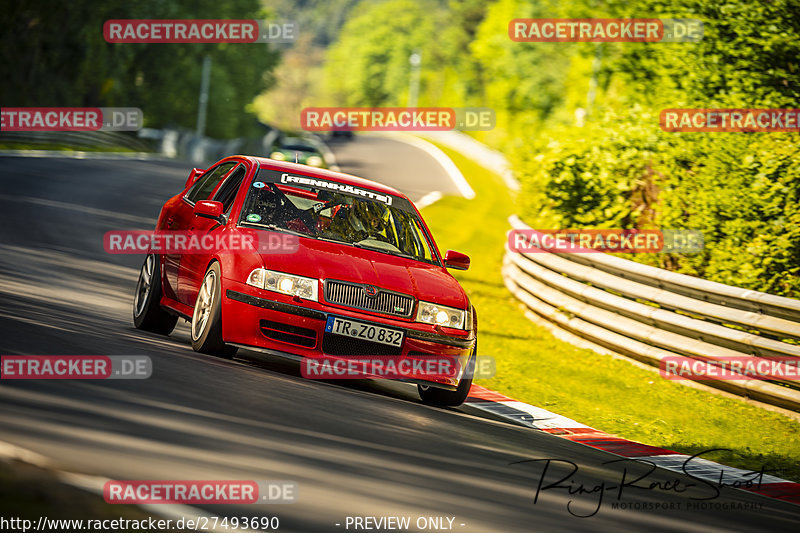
x: 648, y: 313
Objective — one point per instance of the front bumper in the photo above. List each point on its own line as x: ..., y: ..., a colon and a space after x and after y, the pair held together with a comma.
x: 282, y: 324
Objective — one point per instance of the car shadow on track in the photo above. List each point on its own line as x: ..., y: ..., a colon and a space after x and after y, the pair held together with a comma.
x: 291, y: 367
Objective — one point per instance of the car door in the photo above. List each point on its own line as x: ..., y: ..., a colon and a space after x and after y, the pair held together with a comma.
x: 193, y: 266
x: 182, y: 218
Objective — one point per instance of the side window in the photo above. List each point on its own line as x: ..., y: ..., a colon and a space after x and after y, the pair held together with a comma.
x: 227, y: 191
x: 206, y: 183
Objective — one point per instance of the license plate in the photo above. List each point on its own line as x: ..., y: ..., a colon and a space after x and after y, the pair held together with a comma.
x: 364, y: 330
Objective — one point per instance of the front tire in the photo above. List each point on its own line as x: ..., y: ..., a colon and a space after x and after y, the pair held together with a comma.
x: 206, y: 329
x: 147, y: 311
x: 450, y: 398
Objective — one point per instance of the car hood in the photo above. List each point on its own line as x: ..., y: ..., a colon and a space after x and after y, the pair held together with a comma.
x: 328, y: 260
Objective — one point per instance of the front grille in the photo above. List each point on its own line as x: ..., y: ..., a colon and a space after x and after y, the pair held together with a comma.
x: 289, y: 333
x: 342, y: 345
x: 354, y: 295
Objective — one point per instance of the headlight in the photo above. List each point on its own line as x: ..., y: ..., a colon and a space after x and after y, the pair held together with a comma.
x: 314, y: 161
x: 278, y: 156
x: 450, y: 317
x: 284, y: 283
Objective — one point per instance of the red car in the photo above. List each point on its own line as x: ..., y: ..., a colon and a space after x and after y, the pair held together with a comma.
x: 355, y: 272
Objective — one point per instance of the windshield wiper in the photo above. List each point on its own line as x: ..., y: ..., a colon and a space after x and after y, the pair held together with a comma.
x: 275, y: 227
x: 384, y: 250
x: 328, y: 239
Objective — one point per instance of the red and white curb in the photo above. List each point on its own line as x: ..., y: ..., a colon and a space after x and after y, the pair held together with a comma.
x: 535, y: 417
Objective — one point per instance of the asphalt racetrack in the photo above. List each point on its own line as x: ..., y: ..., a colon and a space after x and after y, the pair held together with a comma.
x: 355, y: 449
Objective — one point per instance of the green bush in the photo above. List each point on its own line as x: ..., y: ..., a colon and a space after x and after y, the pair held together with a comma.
x: 741, y: 190
x: 597, y: 176
x: 621, y: 170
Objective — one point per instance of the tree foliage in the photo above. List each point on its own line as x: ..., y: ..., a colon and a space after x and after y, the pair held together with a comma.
x: 618, y: 168
x: 622, y: 170
x: 54, y: 54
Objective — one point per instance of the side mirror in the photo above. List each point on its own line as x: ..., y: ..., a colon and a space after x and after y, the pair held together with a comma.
x: 209, y: 209
x: 193, y: 175
x: 456, y: 260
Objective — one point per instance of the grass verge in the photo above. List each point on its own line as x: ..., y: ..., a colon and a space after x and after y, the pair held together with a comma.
x: 608, y: 394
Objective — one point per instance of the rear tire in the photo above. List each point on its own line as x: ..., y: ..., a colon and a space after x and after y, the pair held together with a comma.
x: 147, y: 311
x: 206, y: 330
x: 450, y: 398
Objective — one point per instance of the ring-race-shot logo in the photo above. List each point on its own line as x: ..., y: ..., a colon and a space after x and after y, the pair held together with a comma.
x: 70, y: 119
x: 633, y: 30
x: 198, y: 31
x: 397, y: 118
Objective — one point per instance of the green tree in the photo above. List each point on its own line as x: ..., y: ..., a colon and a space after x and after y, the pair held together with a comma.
x: 55, y: 55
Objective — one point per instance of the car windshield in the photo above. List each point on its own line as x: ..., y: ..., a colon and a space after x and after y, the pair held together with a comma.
x: 328, y: 210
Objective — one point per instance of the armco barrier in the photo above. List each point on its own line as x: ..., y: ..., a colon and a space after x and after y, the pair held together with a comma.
x: 76, y: 139
x: 648, y: 313
x: 185, y: 144
x: 172, y: 143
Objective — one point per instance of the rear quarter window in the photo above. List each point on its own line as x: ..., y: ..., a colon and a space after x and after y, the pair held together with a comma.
x: 206, y: 183
x: 226, y: 194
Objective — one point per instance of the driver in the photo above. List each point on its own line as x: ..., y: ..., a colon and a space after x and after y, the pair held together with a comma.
x: 369, y: 219
x: 341, y: 214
